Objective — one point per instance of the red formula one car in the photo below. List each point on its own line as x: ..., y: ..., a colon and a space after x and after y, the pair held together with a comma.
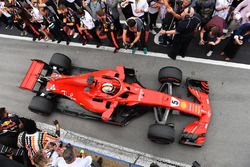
x: 115, y: 96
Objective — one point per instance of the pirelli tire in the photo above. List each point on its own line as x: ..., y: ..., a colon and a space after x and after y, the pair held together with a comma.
x: 161, y: 134
x: 171, y: 75
x: 61, y: 61
x: 42, y: 105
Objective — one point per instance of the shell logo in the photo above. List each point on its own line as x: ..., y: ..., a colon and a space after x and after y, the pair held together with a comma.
x: 183, y: 105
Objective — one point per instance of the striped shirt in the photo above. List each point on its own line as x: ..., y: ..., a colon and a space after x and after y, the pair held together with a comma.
x: 35, y: 142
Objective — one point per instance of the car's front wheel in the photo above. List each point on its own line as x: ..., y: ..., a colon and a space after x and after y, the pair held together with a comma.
x: 161, y: 134
x: 171, y: 75
x: 40, y: 104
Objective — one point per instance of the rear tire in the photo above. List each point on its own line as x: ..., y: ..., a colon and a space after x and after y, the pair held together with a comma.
x: 61, y: 61
x: 161, y: 134
x: 171, y: 75
x: 41, y: 105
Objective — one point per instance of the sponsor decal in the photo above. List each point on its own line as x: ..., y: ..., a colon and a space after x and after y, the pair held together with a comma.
x: 69, y: 95
x: 183, y: 105
x: 195, y: 108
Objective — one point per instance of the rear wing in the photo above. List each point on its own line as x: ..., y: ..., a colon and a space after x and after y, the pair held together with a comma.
x: 32, y: 75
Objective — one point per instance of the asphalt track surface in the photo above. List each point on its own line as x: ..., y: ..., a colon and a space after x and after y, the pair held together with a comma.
x: 227, y: 139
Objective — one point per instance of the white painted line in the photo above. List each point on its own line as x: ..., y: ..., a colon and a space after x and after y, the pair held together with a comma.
x: 111, y: 150
x: 152, y: 54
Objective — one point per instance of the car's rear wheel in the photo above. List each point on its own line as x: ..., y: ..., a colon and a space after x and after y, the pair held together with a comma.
x: 171, y: 75
x: 61, y: 61
x: 161, y: 134
x: 41, y: 105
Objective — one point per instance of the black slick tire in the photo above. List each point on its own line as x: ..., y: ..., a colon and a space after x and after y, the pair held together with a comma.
x: 41, y: 105
x: 161, y: 134
x: 171, y: 75
x: 61, y: 61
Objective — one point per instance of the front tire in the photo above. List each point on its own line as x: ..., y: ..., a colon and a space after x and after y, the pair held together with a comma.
x: 161, y: 134
x: 62, y: 62
x: 41, y: 105
x: 171, y: 75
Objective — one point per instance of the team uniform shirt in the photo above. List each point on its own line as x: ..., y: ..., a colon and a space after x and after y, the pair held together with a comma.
x: 70, y: 17
x: 87, y: 21
x: 79, y: 162
x: 139, y: 25
x: 108, y: 23
x: 10, y: 123
x: 140, y: 4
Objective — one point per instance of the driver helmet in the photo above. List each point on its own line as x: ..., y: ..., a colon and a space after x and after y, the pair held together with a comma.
x: 108, y: 88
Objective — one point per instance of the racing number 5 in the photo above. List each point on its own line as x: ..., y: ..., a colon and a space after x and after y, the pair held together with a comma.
x: 174, y: 102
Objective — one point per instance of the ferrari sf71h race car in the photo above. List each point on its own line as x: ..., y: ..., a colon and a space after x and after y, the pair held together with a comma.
x: 115, y: 96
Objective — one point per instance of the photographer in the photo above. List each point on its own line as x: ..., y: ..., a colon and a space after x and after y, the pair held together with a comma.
x: 134, y: 29
x: 240, y: 36
x: 184, y: 33
x: 211, y: 33
x: 173, y: 10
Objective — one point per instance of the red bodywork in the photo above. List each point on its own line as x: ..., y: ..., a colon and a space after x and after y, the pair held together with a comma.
x: 80, y: 90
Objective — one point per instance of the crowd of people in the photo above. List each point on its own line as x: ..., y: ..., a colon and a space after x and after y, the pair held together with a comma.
x: 22, y: 144
x: 62, y: 20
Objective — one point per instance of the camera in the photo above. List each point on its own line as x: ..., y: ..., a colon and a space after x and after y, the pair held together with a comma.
x: 126, y: 45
